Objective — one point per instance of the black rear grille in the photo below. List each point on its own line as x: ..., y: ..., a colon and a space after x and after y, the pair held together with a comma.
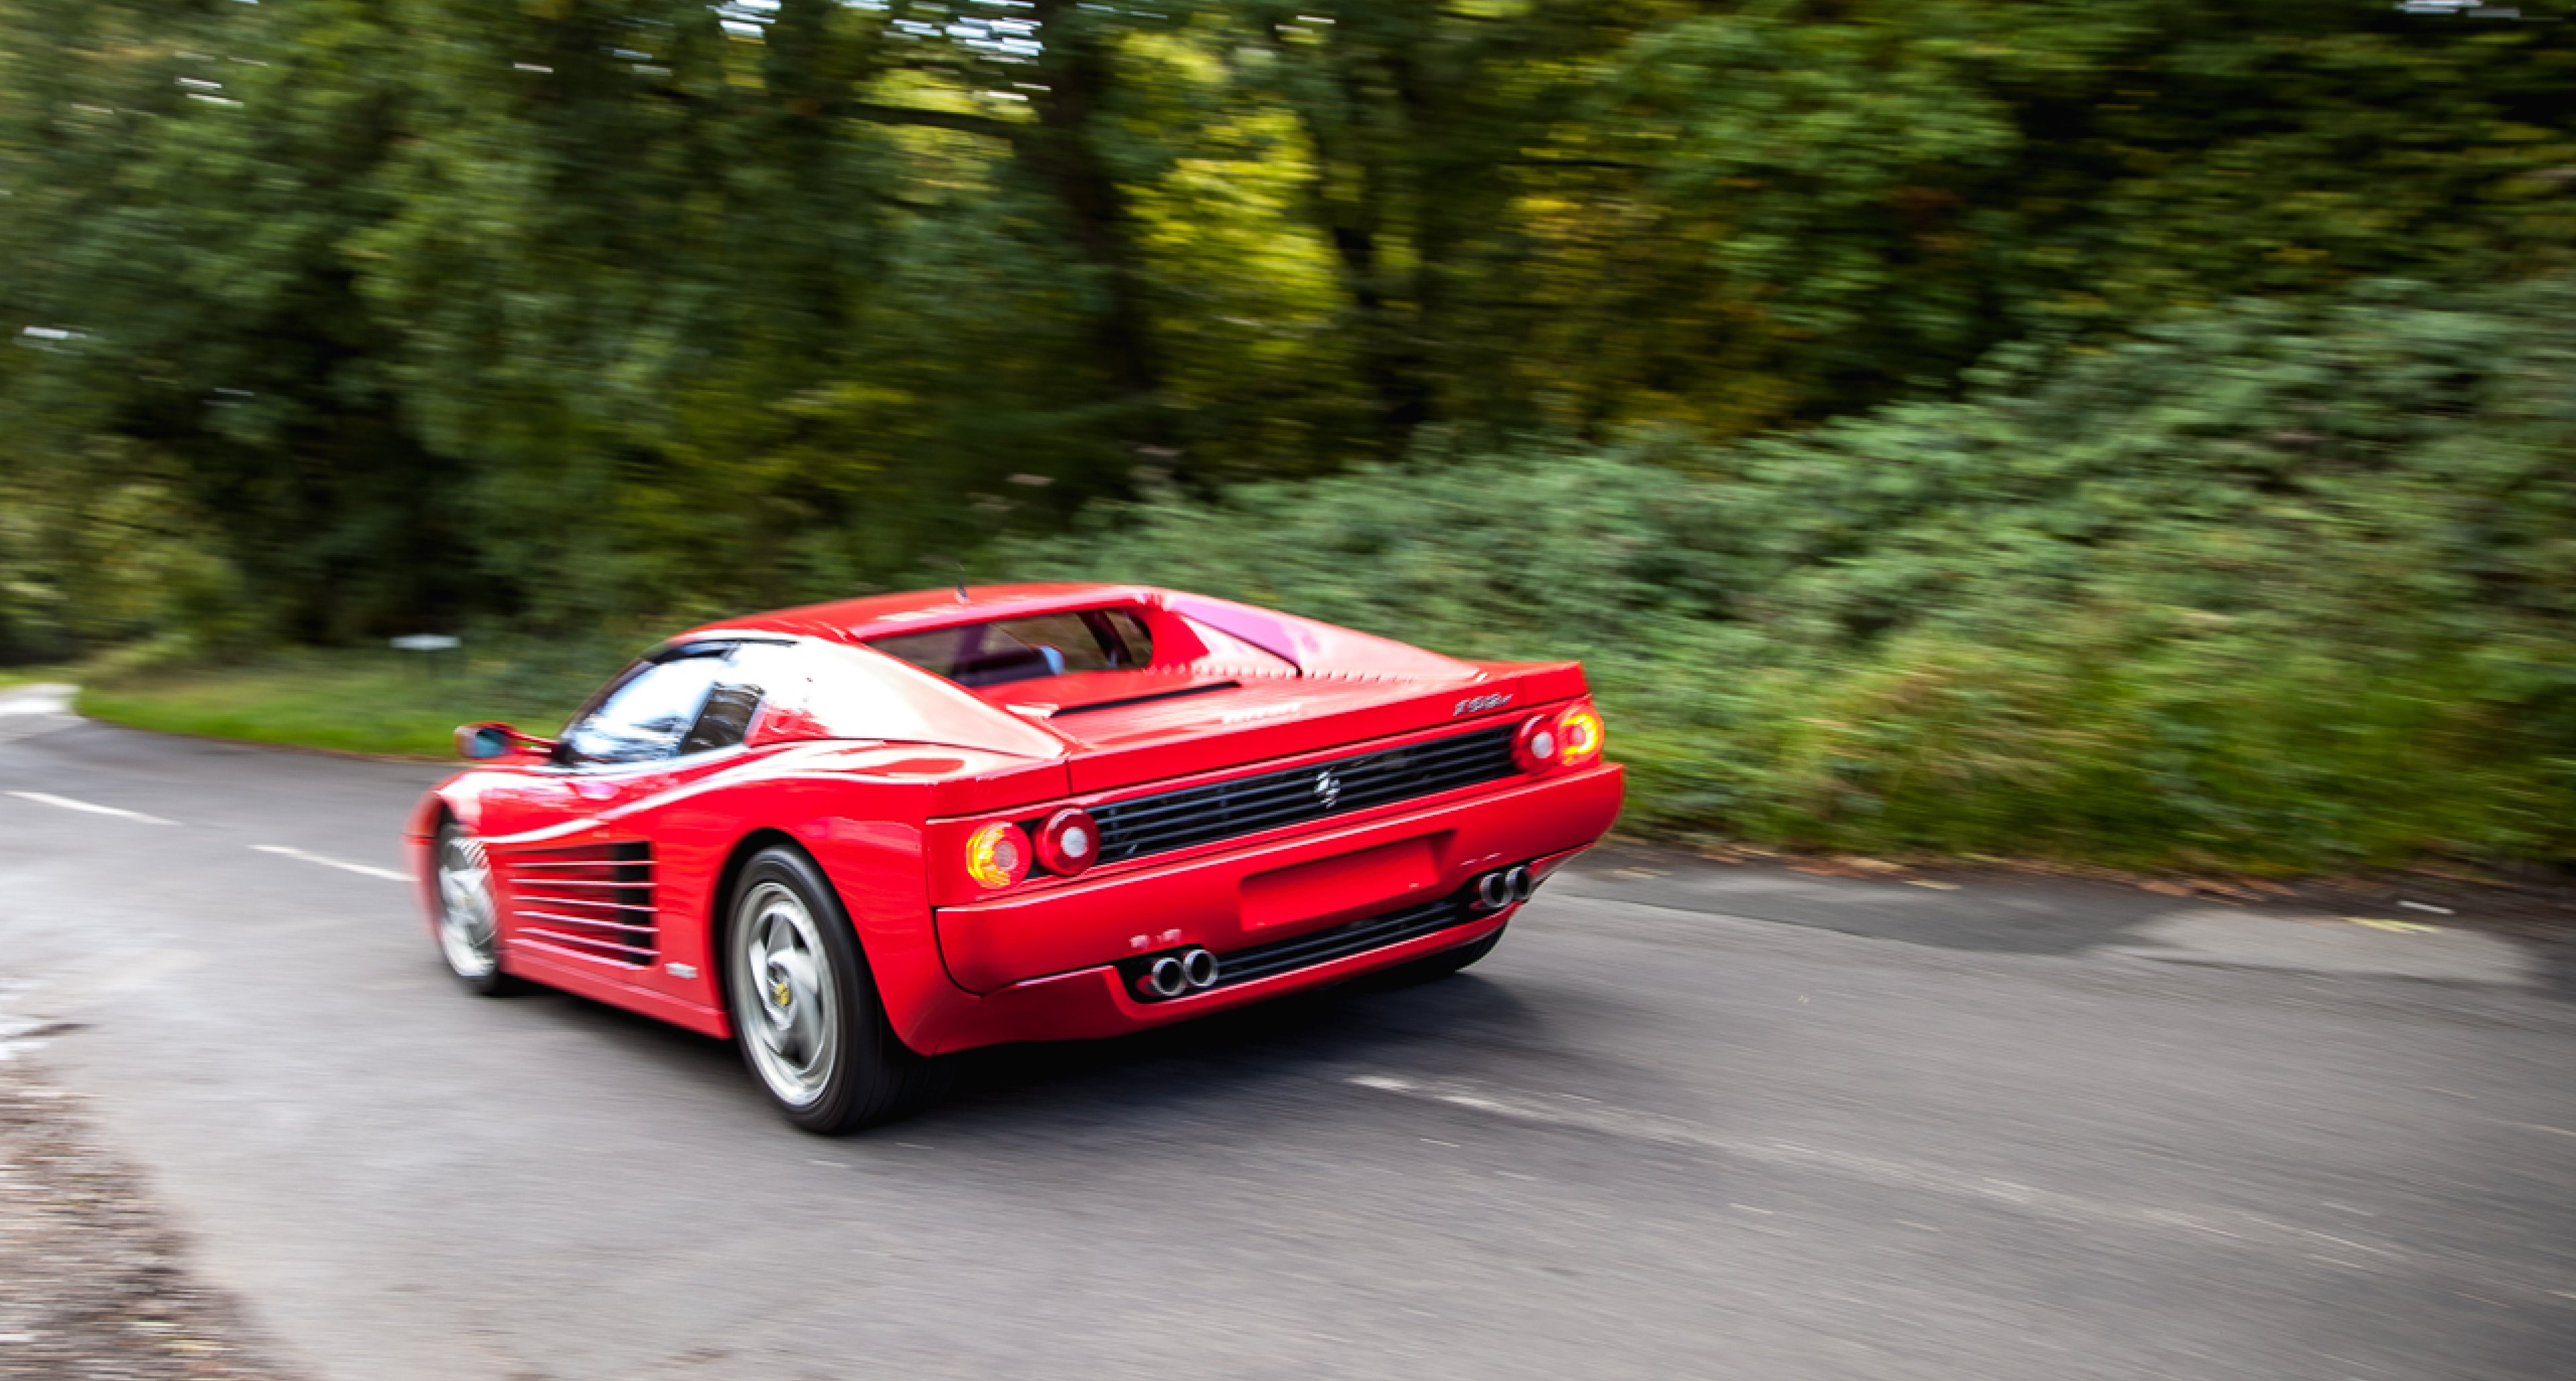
x: 1242, y: 805
x: 1325, y: 946
x: 1342, y: 941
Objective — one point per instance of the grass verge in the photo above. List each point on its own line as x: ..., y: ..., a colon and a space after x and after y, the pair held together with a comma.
x: 28, y: 676
x: 386, y: 703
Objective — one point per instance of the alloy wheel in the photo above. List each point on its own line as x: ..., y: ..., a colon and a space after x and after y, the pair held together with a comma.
x: 466, y: 910
x: 784, y: 996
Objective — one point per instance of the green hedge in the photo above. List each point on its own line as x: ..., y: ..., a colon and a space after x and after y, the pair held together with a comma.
x: 2276, y: 587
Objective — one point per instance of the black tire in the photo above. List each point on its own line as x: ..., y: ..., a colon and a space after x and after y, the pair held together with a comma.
x: 1432, y: 968
x: 856, y: 1072
x: 476, y: 967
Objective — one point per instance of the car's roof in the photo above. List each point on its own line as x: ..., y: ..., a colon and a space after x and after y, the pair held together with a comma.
x: 1312, y: 647
x: 1332, y: 668
x: 854, y: 620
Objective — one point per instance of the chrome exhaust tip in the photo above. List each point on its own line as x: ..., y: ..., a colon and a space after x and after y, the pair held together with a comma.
x: 1494, y: 891
x: 1165, y: 979
x: 1521, y: 883
x: 1198, y: 969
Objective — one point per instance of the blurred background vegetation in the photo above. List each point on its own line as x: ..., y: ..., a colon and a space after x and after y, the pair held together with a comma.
x: 2135, y: 430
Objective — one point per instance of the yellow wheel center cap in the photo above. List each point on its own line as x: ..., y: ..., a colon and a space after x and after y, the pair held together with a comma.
x: 778, y: 992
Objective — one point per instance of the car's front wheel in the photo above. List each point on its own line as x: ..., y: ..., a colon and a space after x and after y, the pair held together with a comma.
x: 805, y: 1008
x: 468, y: 913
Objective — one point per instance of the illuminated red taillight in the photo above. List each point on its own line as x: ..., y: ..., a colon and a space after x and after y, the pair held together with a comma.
x: 1068, y: 842
x: 1578, y: 734
x: 997, y: 856
x: 1534, y: 746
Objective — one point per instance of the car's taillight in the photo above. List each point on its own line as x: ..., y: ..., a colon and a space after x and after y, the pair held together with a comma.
x: 1068, y: 842
x: 1571, y: 737
x: 1534, y: 746
x: 997, y: 856
x: 1578, y: 734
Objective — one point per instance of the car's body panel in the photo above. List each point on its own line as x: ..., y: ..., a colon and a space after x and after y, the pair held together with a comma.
x: 1239, y: 893
x: 612, y: 878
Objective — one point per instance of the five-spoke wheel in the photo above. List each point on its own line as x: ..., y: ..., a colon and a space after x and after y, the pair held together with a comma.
x: 805, y: 1007
x: 794, y: 1033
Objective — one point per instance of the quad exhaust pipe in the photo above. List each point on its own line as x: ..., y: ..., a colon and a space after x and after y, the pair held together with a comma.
x: 1194, y: 969
x: 1503, y: 887
x: 1190, y: 971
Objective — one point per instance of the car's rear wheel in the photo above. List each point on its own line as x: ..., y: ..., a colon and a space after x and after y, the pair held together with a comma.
x: 805, y: 1008
x: 469, y: 913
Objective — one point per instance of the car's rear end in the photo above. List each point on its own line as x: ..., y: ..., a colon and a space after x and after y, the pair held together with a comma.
x: 1245, y: 808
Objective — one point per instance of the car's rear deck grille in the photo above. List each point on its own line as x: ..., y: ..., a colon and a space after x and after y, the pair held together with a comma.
x: 1242, y: 805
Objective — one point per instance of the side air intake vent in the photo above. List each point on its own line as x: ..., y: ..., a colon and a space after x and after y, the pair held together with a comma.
x: 594, y: 900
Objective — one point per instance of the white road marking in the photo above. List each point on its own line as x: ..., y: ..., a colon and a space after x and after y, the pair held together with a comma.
x: 361, y: 869
x: 47, y: 698
x: 18, y: 1034
x: 67, y: 803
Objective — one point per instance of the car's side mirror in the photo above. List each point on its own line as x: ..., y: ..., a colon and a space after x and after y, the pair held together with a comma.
x: 491, y: 742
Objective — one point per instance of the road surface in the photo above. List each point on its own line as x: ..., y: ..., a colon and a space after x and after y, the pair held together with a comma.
x: 1689, y: 1121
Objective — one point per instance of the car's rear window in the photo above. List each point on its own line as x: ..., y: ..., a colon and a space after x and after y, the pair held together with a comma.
x: 1026, y: 649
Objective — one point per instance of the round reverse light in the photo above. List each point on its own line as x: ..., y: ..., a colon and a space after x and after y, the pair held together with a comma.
x: 1578, y: 734
x: 1068, y: 842
x: 1534, y: 747
x: 997, y: 856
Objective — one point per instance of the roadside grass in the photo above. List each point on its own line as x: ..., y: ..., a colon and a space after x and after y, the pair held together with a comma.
x: 352, y: 701
x: 28, y: 676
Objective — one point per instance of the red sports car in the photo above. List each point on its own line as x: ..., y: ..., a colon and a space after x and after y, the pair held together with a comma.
x: 856, y: 837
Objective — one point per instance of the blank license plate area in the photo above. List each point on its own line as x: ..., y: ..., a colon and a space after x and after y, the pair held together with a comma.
x: 1343, y: 886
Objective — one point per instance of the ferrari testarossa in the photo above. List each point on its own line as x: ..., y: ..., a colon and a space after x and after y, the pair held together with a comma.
x: 856, y: 837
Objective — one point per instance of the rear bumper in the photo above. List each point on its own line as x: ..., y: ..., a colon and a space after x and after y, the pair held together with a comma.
x: 1045, y: 967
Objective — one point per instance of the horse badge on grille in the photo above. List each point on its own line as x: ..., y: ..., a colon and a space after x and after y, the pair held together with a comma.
x: 1328, y: 788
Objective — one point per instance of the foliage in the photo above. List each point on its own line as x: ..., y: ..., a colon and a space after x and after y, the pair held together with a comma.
x: 1900, y: 461
x: 387, y: 314
x: 2272, y: 585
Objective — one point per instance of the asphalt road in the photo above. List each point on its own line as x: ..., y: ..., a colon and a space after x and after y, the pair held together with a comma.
x: 1689, y: 1121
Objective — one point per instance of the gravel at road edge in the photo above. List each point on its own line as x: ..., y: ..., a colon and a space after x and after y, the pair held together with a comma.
x: 93, y: 1281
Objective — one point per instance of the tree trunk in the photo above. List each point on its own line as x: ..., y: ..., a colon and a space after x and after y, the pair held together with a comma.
x: 1075, y: 71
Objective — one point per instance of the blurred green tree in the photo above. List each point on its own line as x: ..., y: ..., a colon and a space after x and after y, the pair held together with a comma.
x: 420, y: 311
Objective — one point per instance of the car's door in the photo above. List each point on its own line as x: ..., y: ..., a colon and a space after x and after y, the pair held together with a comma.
x: 582, y: 867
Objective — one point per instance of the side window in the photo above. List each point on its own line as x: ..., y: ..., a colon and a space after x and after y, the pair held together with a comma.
x: 645, y: 716
x: 1122, y: 635
x: 726, y: 718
